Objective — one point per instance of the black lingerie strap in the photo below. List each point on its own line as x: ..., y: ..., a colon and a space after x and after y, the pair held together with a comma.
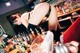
x: 47, y: 15
x: 29, y: 16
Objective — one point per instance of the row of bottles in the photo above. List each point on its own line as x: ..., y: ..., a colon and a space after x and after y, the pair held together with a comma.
x: 24, y: 40
x: 64, y: 7
x: 2, y: 42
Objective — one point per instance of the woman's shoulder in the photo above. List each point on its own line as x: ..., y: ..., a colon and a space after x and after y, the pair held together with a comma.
x: 24, y: 14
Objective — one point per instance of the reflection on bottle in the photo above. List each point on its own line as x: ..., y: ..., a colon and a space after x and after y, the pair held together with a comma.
x: 38, y: 34
x: 43, y: 32
x: 32, y: 32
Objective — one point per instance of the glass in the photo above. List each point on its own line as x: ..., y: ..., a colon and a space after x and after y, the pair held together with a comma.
x: 36, y: 43
x: 42, y: 45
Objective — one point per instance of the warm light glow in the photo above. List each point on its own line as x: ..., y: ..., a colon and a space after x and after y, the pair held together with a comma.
x: 8, y: 4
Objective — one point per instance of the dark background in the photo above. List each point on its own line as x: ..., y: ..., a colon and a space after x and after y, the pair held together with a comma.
x: 5, y: 11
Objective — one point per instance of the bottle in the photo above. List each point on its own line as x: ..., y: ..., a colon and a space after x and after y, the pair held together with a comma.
x: 12, y: 48
x: 15, y: 39
x: 38, y: 34
x: 2, y: 44
x: 18, y: 35
x: 43, y: 33
x: 24, y: 38
x: 39, y: 37
x: 22, y: 47
x: 29, y: 38
x: 32, y: 32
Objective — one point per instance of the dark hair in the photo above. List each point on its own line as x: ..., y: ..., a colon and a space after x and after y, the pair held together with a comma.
x: 13, y: 18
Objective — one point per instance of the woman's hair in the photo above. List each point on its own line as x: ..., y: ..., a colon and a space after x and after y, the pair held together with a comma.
x: 14, y: 17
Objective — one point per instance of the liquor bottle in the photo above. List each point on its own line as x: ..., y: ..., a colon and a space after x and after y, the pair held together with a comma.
x: 29, y: 38
x: 2, y: 44
x: 43, y: 33
x: 15, y: 39
x: 38, y: 34
x: 39, y: 37
x: 24, y: 37
x: 23, y: 47
x: 3, y: 39
x: 12, y: 48
x: 32, y: 35
x: 32, y: 32
x: 18, y: 35
x: 19, y: 47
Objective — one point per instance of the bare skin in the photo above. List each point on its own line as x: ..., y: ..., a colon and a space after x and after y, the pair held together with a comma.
x: 38, y: 14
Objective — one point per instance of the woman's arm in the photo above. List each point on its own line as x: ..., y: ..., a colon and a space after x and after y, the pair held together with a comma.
x: 24, y: 19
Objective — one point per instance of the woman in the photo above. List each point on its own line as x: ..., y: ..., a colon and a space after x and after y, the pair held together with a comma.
x: 43, y: 12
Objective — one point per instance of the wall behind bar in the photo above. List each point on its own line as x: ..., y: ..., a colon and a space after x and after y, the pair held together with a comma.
x: 6, y: 26
x: 15, y: 4
x: 5, y: 23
